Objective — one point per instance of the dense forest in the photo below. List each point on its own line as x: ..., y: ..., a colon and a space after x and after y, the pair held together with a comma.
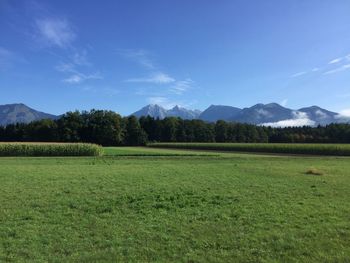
x: 109, y: 128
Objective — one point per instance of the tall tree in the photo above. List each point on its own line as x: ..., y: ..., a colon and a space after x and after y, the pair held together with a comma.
x: 134, y: 134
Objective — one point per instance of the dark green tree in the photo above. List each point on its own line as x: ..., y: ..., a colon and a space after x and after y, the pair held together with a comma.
x: 134, y: 134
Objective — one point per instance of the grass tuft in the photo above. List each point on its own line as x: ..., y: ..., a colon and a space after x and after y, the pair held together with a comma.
x: 314, y: 171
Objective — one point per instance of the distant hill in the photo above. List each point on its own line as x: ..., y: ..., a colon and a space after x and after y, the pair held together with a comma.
x: 263, y: 113
x: 219, y: 112
x: 20, y: 113
x: 319, y: 115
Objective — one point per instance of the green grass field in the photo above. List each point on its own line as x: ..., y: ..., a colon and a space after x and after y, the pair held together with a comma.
x: 142, y: 205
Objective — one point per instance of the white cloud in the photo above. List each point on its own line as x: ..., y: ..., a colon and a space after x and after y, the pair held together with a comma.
x: 339, y: 69
x: 340, y: 60
x: 336, y: 60
x: 321, y: 114
x: 139, y: 56
x: 300, y: 119
x: 157, y: 78
x: 298, y: 74
x: 76, y: 76
x: 345, y: 113
x: 284, y: 102
x: 79, y: 77
x: 66, y: 67
x: 55, y: 32
x: 80, y: 58
x: 73, y: 79
x: 169, y: 85
x: 181, y: 86
x: 343, y: 116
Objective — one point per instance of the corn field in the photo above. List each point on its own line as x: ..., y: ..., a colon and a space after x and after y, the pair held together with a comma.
x: 50, y: 149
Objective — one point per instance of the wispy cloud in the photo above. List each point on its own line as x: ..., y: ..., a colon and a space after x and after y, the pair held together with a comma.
x: 339, y: 69
x: 156, y: 78
x: 80, y: 58
x: 342, y: 63
x: 80, y: 77
x: 341, y: 60
x: 76, y: 76
x: 73, y: 79
x: 140, y: 56
x: 55, y: 32
x: 181, y: 86
x: 336, y: 60
x: 170, y: 86
x: 298, y: 74
x: 66, y: 67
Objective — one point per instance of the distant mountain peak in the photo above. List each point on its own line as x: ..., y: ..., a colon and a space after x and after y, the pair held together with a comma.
x: 21, y: 113
x: 219, y: 112
x: 319, y: 115
x: 263, y: 113
x: 152, y: 110
x: 157, y: 111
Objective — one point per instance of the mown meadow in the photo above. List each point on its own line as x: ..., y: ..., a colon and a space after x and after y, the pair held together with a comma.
x: 142, y: 205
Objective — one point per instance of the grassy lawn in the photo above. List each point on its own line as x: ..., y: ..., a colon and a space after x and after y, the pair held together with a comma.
x: 161, y: 206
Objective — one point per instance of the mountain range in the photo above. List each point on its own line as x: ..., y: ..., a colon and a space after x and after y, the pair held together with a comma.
x: 157, y: 111
x: 271, y: 114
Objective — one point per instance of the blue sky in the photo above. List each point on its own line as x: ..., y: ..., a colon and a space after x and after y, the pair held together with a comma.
x: 64, y: 55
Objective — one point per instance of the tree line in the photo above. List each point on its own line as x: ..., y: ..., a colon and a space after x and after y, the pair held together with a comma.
x: 110, y: 129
